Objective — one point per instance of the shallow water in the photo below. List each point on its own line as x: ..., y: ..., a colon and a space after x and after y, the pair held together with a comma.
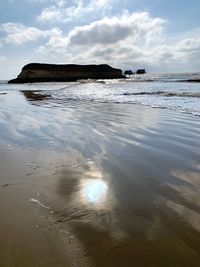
x: 97, y: 184
x: 170, y: 91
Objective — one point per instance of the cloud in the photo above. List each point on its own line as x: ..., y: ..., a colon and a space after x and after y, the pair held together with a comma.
x: 62, y: 11
x: 57, y: 2
x: 57, y: 43
x: 49, y: 13
x: 109, y: 30
x: 18, y: 34
x: 125, y: 33
x: 128, y: 40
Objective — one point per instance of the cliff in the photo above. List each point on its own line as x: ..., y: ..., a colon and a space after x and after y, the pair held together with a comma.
x: 36, y: 72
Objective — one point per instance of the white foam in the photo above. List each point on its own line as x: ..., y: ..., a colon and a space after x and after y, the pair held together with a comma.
x: 183, y: 96
x: 176, y: 96
x: 36, y: 201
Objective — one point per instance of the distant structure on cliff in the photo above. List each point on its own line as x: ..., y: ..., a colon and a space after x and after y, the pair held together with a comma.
x: 36, y: 72
x: 128, y: 72
x: 140, y: 71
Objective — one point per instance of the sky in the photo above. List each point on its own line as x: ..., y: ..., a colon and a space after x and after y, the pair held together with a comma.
x: 158, y: 35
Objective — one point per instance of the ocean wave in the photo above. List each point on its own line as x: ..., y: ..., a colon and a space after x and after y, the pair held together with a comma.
x: 163, y: 93
x: 177, y: 96
x: 165, y: 77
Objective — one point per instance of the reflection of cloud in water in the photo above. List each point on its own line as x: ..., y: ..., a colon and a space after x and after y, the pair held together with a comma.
x: 189, y: 208
x: 90, y: 130
x: 94, y: 191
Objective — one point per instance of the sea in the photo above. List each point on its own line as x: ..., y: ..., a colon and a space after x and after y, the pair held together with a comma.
x: 158, y: 90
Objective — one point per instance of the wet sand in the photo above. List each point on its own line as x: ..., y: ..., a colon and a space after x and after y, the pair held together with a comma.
x: 97, y: 184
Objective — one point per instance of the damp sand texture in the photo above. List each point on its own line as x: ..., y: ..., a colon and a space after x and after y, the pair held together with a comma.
x: 97, y: 184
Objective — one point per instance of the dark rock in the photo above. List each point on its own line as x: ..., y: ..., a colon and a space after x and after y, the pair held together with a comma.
x: 36, y: 72
x: 140, y: 71
x: 128, y: 72
x: 193, y: 80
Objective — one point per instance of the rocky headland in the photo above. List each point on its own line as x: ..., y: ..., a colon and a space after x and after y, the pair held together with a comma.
x: 37, y: 72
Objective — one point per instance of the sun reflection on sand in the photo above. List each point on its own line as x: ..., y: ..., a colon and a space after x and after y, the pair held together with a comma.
x: 94, y: 191
x: 93, y: 187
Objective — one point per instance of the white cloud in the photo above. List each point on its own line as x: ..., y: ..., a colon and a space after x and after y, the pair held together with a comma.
x: 62, y: 11
x: 125, y: 32
x: 127, y: 40
x: 49, y: 14
x: 18, y: 34
x: 137, y: 27
x: 57, y: 43
x: 57, y: 2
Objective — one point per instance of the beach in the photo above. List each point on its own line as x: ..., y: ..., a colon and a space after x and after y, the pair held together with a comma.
x: 93, y: 178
